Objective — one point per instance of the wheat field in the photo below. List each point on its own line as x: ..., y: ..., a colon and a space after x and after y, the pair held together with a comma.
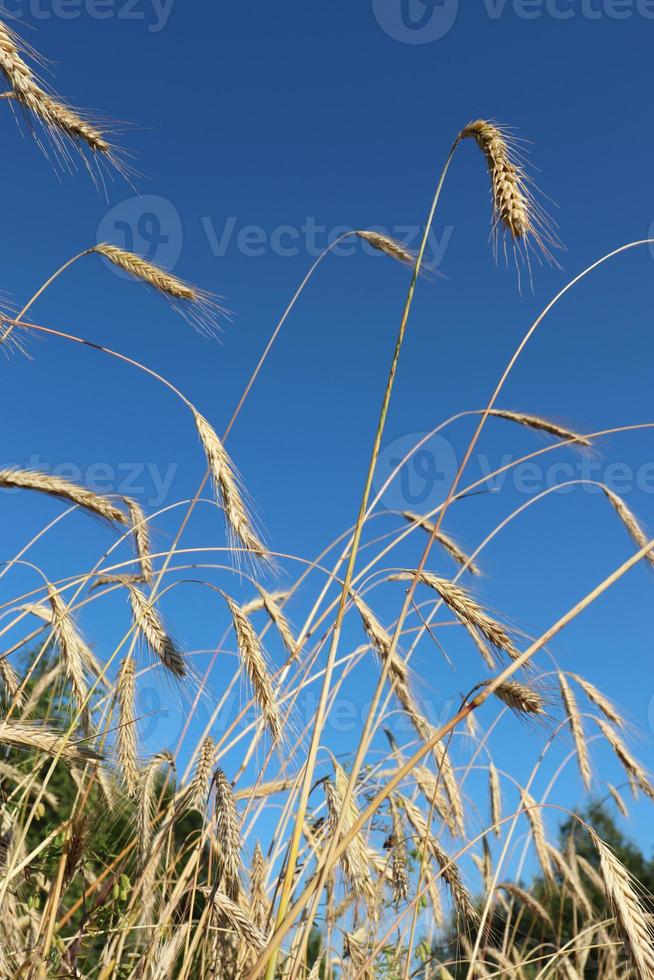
x: 298, y: 861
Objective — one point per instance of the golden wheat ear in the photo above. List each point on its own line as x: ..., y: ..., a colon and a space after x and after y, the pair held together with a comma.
x: 516, y: 211
x: 199, y: 307
x: 60, y: 120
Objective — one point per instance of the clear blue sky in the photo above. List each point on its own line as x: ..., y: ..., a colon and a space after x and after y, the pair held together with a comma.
x: 296, y: 114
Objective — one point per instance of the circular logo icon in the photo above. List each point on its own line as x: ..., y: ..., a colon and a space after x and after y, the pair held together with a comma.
x: 415, y: 472
x: 149, y: 226
x: 416, y: 21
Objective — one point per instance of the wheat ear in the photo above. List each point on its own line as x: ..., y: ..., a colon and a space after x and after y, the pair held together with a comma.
x: 629, y: 914
x: 475, y: 619
x: 541, y: 425
x: 141, y: 532
x: 520, y: 698
x: 577, y: 729
x: 534, y: 816
x: 198, y: 789
x: 54, y: 486
x: 151, y: 629
x: 254, y: 662
x: 26, y: 89
x: 447, y: 543
x: 630, y: 522
x: 514, y: 206
x: 238, y: 919
x: 69, y: 643
x: 227, y: 486
x: 387, y: 245
x: 228, y: 836
x: 127, y: 743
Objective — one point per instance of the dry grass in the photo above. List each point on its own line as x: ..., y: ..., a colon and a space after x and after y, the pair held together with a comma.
x: 129, y: 849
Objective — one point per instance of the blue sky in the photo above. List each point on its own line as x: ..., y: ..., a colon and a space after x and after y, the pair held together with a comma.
x: 248, y: 124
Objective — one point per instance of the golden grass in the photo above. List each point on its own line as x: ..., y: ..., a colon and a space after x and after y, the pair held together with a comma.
x: 272, y: 826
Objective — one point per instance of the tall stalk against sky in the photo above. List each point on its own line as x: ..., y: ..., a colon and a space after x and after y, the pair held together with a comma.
x: 349, y: 571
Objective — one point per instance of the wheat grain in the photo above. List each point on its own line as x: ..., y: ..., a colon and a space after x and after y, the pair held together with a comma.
x: 520, y: 698
x: 630, y: 522
x: 631, y: 765
x: 467, y: 611
x: 55, y: 486
x: 141, y: 532
x: 629, y: 914
x: 26, y: 89
x: 451, y: 875
x: 387, y: 245
x: 70, y: 646
x: 448, y: 544
x: 596, y: 697
x: 198, y: 789
x: 534, y: 816
x: 495, y: 795
x: 227, y: 487
x: 355, y: 858
x: 254, y: 662
x: 11, y: 683
x: 541, y: 425
x: 127, y: 744
x: 42, y: 739
x: 576, y: 727
x: 152, y: 630
x: 528, y: 900
x: 514, y: 206
x: 228, y: 836
x: 259, y: 903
